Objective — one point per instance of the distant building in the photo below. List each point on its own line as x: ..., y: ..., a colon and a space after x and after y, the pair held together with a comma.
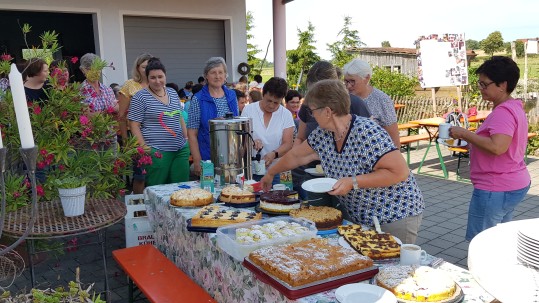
x: 396, y: 59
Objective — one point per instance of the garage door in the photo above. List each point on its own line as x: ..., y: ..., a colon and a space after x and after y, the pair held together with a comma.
x: 183, y: 45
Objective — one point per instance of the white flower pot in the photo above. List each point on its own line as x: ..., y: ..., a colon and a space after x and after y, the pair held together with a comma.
x: 72, y: 200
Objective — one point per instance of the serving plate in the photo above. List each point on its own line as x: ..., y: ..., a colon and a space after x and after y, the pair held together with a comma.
x: 342, y: 242
x: 458, y: 296
x: 319, y: 185
x: 447, y: 142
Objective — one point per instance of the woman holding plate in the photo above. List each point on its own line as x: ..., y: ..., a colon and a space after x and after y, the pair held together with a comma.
x: 372, y: 178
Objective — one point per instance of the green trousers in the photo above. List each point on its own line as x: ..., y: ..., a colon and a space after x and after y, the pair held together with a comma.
x: 171, y: 167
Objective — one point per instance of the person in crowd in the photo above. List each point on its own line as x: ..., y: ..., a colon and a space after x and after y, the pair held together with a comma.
x: 196, y: 88
x: 497, y: 168
x: 156, y: 120
x: 273, y: 125
x: 357, y: 74
x: 243, y: 79
x: 35, y: 75
x: 255, y: 86
x: 258, y: 79
x: 357, y: 152
x: 174, y: 86
x: 116, y: 89
x: 242, y: 99
x: 201, y: 80
x: 293, y: 103
x: 307, y: 123
x: 187, y: 91
x: 255, y: 96
x: 214, y: 100
x: 99, y: 97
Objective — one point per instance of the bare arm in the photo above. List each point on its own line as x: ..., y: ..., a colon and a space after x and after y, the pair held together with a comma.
x: 300, y: 136
x: 135, y: 130
x: 297, y: 156
x: 286, y: 145
x: 393, y: 131
x: 192, y: 133
x: 184, y: 128
x: 390, y: 169
x: 123, y: 106
x: 496, y: 144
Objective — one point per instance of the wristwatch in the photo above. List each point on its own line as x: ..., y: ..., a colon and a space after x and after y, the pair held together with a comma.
x: 354, y: 182
x: 276, y: 154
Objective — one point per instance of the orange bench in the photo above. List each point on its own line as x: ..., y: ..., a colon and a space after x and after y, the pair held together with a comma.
x: 406, y: 140
x: 157, y: 277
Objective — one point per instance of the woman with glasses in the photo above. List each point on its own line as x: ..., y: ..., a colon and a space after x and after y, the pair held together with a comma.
x: 357, y: 74
x: 373, y: 178
x: 497, y: 168
x: 293, y: 103
x: 273, y: 126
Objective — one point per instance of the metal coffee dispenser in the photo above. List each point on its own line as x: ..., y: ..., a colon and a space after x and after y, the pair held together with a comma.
x: 231, y: 147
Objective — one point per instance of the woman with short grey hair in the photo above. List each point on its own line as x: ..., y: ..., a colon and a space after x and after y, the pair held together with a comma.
x: 214, y: 100
x: 99, y: 97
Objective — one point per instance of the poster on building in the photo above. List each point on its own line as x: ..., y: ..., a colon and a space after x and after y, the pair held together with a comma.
x: 441, y: 60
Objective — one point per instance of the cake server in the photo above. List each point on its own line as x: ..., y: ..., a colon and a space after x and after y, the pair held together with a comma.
x: 377, y: 225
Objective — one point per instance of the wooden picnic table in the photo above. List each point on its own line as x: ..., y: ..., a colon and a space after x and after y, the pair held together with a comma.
x: 479, y: 117
x: 431, y: 126
x: 397, y: 106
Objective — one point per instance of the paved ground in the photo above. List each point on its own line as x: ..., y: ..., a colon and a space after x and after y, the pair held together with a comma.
x: 442, y: 231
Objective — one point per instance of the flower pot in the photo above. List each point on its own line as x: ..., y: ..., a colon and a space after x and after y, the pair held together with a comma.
x: 73, y: 200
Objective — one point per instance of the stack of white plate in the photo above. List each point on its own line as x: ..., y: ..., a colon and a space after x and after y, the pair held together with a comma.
x: 528, y: 245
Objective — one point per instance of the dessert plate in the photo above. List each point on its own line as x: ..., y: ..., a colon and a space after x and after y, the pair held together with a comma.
x: 452, y: 142
x: 364, y: 293
x: 320, y: 185
x: 312, y: 171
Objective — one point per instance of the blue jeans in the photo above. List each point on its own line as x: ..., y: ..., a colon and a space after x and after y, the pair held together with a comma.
x: 488, y: 208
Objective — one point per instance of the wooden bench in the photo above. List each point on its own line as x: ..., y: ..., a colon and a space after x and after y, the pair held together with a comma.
x: 157, y: 277
x: 461, y: 153
x: 407, y: 140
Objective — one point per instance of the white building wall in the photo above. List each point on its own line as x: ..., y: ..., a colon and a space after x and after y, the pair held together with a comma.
x: 109, y: 15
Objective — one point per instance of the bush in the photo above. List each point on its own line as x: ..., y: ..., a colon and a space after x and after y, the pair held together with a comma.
x: 393, y: 83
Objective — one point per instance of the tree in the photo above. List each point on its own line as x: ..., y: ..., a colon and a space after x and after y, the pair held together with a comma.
x: 493, y: 43
x: 386, y: 44
x: 519, y: 46
x: 252, y: 49
x: 299, y: 60
x: 393, y: 83
x: 339, y: 49
x: 472, y: 44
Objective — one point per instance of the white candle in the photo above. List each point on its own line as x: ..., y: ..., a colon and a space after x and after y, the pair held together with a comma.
x: 21, y: 108
x: 1, y: 143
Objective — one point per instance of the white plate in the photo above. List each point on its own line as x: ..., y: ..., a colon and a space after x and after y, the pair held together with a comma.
x: 443, y: 142
x: 364, y: 293
x: 312, y: 171
x: 531, y: 231
x: 320, y: 185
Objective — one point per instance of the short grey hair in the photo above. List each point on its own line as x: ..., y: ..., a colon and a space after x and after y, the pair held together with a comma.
x: 358, y: 68
x: 87, y: 60
x: 214, y: 62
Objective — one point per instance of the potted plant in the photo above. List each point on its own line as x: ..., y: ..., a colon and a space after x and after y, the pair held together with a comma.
x: 72, y: 193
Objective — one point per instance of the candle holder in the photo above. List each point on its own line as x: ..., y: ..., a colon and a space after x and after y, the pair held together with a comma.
x: 29, y: 156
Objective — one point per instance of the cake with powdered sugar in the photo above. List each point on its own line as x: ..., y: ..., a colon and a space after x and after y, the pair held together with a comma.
x: 308, y: 261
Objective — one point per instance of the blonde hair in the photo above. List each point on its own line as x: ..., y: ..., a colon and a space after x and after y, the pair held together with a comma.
x: 137, y: 76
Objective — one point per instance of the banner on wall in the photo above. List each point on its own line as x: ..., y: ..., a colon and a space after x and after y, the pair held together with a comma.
x: 441, y: 60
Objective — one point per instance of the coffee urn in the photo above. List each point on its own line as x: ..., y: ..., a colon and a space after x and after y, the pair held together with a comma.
x: 231, y: 147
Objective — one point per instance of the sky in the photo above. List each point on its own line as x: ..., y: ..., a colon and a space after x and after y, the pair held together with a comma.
x: 399, y: 22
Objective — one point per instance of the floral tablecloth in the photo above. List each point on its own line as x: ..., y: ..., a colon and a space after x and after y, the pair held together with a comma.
x: 225, y: 279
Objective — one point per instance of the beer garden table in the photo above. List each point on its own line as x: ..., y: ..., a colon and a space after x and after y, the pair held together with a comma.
x: 225, y: 279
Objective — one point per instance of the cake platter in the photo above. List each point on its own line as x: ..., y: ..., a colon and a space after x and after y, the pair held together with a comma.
x: 241, y: 205
x: 342, y: 241
x: 452, y: 142
x: 313, y: 172
x: 200, y: 229
x: 296, y: 292
x: 333, y: 230
x: 269, y: 212
x: 457, y: 297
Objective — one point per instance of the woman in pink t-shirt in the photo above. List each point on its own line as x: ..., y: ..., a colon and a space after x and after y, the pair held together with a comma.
x: 497, y: 169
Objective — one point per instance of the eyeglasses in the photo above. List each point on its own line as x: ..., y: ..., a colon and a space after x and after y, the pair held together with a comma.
x: 483, y: 85
x: 310, y: 111
x: 349, y: 82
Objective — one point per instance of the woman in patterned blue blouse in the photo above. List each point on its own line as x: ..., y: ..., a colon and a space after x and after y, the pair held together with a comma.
x: 373, y: 178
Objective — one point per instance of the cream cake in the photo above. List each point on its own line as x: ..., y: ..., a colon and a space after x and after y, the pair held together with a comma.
x: 215, y: 216
x: 416, y: 283
x: 191, y: 197
x: 308, y: 261
x: 282, y: 201
x: 234, y: 194
x: 273, y: 230
x: 323, y: 216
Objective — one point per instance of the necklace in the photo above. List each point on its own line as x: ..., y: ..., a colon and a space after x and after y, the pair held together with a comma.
x: 165, y: 92
x: 343, y: 133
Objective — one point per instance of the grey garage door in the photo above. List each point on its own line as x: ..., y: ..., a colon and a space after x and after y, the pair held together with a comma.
x: 183, y: 45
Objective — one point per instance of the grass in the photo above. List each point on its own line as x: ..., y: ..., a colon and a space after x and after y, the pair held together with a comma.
x: 267, y: 73
x: 533, y: 64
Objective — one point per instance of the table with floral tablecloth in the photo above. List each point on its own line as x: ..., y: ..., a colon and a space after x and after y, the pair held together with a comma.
x: 225, y: 279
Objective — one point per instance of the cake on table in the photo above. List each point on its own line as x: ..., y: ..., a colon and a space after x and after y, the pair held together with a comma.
x: 308, y: 261
x: 282, y: 201
x: 234, y: 194
x: 416, y: 283
x: 191, y: 197
x: 323, y: 216
x: 370, y: 243
x: 273, y: 230
x: 215, y: 216
x: 318, y: 168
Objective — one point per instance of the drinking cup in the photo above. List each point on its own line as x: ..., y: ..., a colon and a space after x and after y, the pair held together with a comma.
x: 412, y: 254
x: 443, y: 130
x: 259, y: 167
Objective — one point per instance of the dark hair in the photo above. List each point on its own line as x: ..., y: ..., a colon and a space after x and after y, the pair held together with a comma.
x: 155, y: 64
x: 173, y: 86
x: 243, y: 79
x: 291, y: 94
x: 275, y: 86
x: 201, y: 79
x: 188, y: 85
x: 255, y: 95
x: 501, y: 69
x: 196, y: 88
x: 239, y: 93
x: 33, y: 67
x: 258, y: 78
x: 329, y: 93
x: 321, y: 70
